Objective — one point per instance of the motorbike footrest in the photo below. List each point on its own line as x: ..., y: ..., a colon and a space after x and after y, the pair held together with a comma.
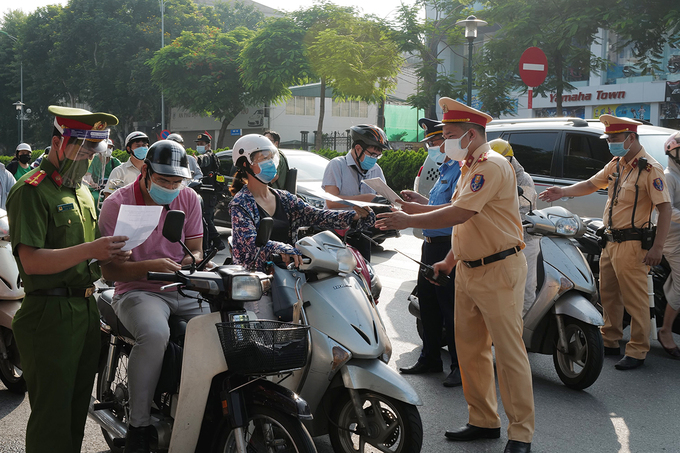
x: 102, y: 406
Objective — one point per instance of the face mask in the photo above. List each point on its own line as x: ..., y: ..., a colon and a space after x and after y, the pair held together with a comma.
x: 140, y: 153
x: 107, y: 153
x: 24, y: 158
x: 267, y: 171
x: 161, y: 195
x: 435, y: 154
x: 368, y: 162
x: 617, y: 149
x: 453, y: 149
x: 200, y: 149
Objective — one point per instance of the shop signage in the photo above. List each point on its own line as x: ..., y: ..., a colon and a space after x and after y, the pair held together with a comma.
x: 580, y: 96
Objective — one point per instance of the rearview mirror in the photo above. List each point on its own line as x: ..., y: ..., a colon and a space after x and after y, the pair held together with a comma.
x: 264, y: 232
x: 520, y: 191
x: 173, y: 226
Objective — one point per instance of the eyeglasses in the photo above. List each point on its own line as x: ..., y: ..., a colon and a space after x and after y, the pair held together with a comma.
x: 166, y: 183
x: 373, y: 155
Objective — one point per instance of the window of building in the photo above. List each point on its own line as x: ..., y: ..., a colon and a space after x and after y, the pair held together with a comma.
x: 355, y: 109
x: 301, y: 105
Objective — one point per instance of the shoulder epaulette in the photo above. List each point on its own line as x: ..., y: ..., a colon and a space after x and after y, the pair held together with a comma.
x: 36, y: 178
x: 483, y: 157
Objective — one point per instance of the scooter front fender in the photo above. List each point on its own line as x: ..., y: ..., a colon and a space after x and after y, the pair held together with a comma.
x: 578, y: 307
x: 375, y: 375
x: 8, y: 308
x: 268, y: 394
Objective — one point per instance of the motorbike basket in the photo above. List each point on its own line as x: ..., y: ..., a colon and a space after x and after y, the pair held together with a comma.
x: 263, y: 347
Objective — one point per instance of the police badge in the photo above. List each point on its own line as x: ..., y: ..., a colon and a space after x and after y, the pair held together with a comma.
x: 477, y: 182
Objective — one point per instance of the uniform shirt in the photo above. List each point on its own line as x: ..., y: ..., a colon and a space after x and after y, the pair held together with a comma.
x: 442, y: 191
x: 6, y: 182
x: 344, y: 173
x: 125, y: 172
x: 652, y: 190
x: 672, y: 174
x: 156, y: 246
x: 50, y: 216
x: 489, y: 188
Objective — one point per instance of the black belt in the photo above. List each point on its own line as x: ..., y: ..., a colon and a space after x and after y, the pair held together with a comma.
x: 493, y: 258
x: 437, y: 239
x: 628, y: 234
x: 65, y: 292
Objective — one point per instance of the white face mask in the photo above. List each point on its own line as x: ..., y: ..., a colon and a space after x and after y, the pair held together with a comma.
x: 453, y: 149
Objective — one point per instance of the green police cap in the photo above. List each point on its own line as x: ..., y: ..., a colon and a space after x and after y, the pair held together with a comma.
x: 72, y: 118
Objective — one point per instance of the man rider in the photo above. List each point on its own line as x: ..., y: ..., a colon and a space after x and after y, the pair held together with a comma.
x: 140, y: 304
x: 210, y: 167
x: 136, y: 144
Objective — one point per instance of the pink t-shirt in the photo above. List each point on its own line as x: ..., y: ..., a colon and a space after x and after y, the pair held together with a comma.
x: 156, y: 246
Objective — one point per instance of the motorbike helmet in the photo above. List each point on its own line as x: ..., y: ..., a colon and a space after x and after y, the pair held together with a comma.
x: 673, y: 144
x: 246, y: 146
x: 501, y: 147
x: 134, y: 136
x: 168, y: 158
x: 176, y: 138
x: 369, y: 135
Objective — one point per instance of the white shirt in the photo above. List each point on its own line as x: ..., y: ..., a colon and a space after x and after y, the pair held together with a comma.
x: 124, y: 174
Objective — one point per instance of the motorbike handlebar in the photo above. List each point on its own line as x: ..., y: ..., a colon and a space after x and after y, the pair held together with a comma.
x: 163, y: 277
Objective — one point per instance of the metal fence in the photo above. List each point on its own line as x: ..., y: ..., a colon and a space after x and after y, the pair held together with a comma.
x: 338, y: 141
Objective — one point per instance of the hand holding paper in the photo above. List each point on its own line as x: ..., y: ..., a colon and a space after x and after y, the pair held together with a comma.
x: 137, y: 223
x: 383, y: 189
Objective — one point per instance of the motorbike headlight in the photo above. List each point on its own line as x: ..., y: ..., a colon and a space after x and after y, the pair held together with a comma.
x: 566, y: 226
x: 246, y: 287
x: 346, y: 261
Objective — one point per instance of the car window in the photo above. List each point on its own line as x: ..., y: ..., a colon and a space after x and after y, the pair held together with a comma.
x: 654, y: 146
x: 492, y: 135
x: 310, y: 166
x: 534, y: 150
x: 585, y: 155
x: 225, y: 163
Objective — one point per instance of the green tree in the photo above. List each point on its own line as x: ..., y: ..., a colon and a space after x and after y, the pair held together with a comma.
x: 10, y: 74
x: 200, y: 71
x: 229, y: 16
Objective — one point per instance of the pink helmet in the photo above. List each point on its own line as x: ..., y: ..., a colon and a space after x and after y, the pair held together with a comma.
x: 673, y: 142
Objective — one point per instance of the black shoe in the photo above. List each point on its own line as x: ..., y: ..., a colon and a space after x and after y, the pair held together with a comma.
x: 470, y: 432
x: 453, y: 379
x: 612, y: 351
x: 515, y: 446
x: 628, y: 363
x: 219, y: 244
x: 138, y: 439
x: 422, y: 367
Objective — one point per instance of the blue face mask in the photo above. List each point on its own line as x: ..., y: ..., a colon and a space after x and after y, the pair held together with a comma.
x: 200, y: 149
x: 161, y: 195
x: 267, y: 171
x: 435, y: 154
x: 617, y: 149
x: 368, y: 162
x: 140, y: 153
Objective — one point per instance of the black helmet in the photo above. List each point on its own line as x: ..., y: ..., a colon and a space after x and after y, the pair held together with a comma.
x: 370, y: 135
x: 168, y: 158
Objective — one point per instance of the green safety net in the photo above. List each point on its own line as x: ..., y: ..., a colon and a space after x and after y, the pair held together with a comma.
x: 401, y: 123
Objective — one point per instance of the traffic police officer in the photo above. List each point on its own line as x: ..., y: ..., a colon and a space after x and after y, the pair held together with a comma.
x: 210, y: 167
x: 436, y: 302
x: 54, y: 236
x: 490, y: 274
x: 631, y: 247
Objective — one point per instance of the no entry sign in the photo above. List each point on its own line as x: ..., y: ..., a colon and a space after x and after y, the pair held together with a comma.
x: 533, y: 67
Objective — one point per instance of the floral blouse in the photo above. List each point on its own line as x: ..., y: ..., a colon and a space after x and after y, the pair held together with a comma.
x: 245, y: 221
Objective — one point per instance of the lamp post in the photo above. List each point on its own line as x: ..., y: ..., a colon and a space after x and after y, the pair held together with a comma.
x: 162, y: 3
x: 19, y: 105
x: 471, y: 24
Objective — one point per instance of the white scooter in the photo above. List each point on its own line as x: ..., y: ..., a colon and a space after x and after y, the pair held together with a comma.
x: 11, y: 295
x: 355, y: 397
x: 211, y: 397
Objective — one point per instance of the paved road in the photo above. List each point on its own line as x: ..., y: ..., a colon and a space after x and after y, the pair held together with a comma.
x: 634, y: 411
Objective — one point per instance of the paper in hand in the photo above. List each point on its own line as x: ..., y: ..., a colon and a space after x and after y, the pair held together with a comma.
x: 137, y: 223
x: 383, y: 189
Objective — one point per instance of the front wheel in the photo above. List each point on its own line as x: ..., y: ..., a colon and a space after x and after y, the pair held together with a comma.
x: 10, y: 374
x: 115, y: 393
x: 393, y: 426
x: 269, y: 431
x: 581, y: 366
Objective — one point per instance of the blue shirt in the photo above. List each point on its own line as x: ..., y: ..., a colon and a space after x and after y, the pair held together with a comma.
x: 442, y: 192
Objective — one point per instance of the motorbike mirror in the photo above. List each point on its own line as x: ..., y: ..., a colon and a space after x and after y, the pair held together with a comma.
x: 520, y: 191
x: 264, y: 232
x: 174, y: 223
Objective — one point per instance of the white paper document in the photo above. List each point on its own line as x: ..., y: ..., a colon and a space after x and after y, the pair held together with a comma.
x: 330, y: 197
x: 137, y: 223
x: 383, y: 189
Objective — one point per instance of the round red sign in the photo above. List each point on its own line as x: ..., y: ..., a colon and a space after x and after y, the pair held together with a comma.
x: 533, y: 67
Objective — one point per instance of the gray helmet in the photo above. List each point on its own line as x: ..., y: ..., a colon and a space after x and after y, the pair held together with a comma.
x: 370, y: 135
x: 168, y: 158
x: 175, y: 137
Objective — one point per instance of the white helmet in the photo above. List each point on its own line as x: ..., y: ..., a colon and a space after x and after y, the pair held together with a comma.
x: 246, y: 146
x: 136, y: 135
x: 24, y: 147
x: 175, y: 137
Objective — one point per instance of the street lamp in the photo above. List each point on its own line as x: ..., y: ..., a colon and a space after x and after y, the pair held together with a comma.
x: 21, y: 94
x: 162, y: 4
x: 20, y: 115
x: 471, y: 24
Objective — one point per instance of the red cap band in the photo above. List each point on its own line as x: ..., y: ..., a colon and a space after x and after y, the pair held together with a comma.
x: 459, y: 116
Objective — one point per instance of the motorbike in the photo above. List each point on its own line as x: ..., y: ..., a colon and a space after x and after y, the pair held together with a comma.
x: 563, y: 320
x: 354, y: 396
x: 11, y: 295
x: 211, y: 395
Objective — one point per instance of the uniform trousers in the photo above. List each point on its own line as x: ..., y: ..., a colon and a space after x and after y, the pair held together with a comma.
x: 145, y: 315
x: 489, y: 302
x: 623, y: 285
x: 209, y: 205
x: 436, y: 308
x: 58, y: 340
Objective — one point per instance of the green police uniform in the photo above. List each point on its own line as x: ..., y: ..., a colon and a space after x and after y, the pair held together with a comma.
x: 57, y: 335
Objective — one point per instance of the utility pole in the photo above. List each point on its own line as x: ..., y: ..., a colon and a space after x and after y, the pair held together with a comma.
x: 162, y: 45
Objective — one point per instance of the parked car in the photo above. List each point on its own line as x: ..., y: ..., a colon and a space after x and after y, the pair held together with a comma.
x: 559, y: 152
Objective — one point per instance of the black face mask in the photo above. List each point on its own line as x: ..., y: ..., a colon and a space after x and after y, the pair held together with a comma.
x: 24, y: 158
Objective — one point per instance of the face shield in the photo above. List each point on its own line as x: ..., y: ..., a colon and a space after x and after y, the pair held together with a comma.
x: 76, y: 153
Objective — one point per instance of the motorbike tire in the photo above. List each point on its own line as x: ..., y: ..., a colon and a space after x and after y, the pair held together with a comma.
x: 582, y: 366
x: 397, y: 427
x: 10, y: 375
x: 269, y: 430
x: 117, y: 393
x: 420, y: 329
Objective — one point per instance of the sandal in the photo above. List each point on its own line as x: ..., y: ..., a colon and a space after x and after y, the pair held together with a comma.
x: 673, y: 352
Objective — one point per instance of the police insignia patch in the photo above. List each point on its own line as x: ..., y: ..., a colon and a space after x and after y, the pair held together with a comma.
x: 477, y: 182
x: 658, y: 184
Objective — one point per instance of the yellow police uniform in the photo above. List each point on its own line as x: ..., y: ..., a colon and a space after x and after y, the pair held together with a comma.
x: 623, y: 275
x: 490, y: 277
